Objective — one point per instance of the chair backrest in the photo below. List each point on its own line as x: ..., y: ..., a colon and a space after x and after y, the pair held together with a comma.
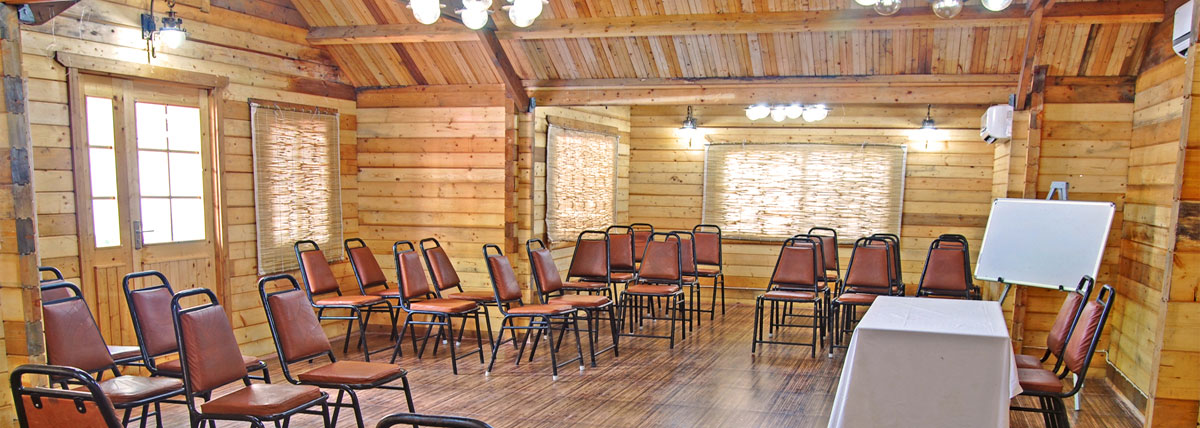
x: 1081, y: 344
x: 621, y: 248
x: 207, y: 346
x: 295, y: 328
x: 545, y: 272
x: 687, y: 252
x: 413, y: 419
x: 798, y: 263
x: 590, y: 258
x: 641, y: 236
x: 72, y: 336
x: 366, y: 267
x: 946, y: 269
x: 55, y: 274
x: 870, y: 266
x: 52, y: 290
x: 893, y: 242
x: 663, y: 260
x: 708, y: 244
x: 39, y: 407
x: 829, y: 247
x: 409, y: 271
x: 443, y: 272
x: 150, y: 309
x: 314, y: 269
x: 504, y: 279
x: 1068, y: 315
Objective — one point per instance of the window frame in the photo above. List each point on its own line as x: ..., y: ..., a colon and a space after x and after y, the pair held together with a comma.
x: 616, y: 151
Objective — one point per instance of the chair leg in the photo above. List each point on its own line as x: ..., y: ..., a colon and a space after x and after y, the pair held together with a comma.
x: 346, y: 341
x: 612, y: 326
x: 362, y: 335
x: 487, y: 319
x: 553, y: 355
x: 337, y: 408
x: 578, y: 344
x: 754, y: 338
x: 478, y: 337
x: 496, y: 345
x: 400, y: 340
x: 408, y: 394
x: 357, y: 410
x: 450, y: 334
x: 591, y: 339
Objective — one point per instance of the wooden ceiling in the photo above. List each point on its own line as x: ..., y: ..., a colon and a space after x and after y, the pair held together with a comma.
x: 377, y: 43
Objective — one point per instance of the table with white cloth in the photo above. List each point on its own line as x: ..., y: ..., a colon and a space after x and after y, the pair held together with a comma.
x: 925, y: 362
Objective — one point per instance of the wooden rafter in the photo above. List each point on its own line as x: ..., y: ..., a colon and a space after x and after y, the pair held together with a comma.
x: 508, y: 74
x: 1034, y: 39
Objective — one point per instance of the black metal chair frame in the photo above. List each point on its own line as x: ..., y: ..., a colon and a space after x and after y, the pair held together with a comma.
x: 58, y: 275
x: 1051, y: 406
x: 611, y: 290
x: 893, y: 241
x: 639, y: 227
x: 36, y: 394
x: 970, y: 291
x: 392, y: 308
x: 443, y: 320
x: 632, y: 304
x: 691, y: 278
x: 779, y: 316
x: 837, y: 263
x: 608, y: 232
x: 593, y: 313
x: 343, y: 388
x: 844, y: 321
x: 359, y: 313
x: 718, y: 277
x: 147, y: 359
x: 398, y: 419
x: 437, y: 289
x: 536, y: 322
x: 1084, y: 288
x: 195, y: 416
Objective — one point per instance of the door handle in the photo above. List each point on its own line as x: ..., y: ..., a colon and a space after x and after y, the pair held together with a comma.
x: 139, y: 235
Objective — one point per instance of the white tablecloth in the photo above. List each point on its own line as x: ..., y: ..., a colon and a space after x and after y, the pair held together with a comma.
x: 927, y: 363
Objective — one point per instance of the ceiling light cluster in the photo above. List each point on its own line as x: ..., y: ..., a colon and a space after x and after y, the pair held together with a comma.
x: 942, y: 8
x: 474, y: 13
x: 810, y: 113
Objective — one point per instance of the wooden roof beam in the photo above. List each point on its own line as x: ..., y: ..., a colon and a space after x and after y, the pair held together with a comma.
x: 508, y: 74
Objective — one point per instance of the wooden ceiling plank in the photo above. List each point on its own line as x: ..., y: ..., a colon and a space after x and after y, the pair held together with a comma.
x: 504, y: 68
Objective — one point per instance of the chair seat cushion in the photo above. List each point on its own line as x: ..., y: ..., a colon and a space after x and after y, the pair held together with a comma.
x: 174, y: 366
x: 790, y: 295
x: 352, y: 373
x: 708, y: 272
x: 1028, y: 362
x: 616, y: 277
x: 262, y: 399
x: 349, y: 300
x: 871, y: 290
x: 387, y: 293
x: 581, y: 300
x: 1040, y: 380
x: 585, y: 285
x: 474, y: 296
x: 448, y: 306
x: 652, y: 289
x: 128, y: 389
x: 123, y: 352
x: 551, y: 309
x: 857, y: 298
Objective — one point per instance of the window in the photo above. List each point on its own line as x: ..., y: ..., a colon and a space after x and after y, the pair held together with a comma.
x: 773, y: 191
x: 297, y: 185
x: 170, y: 173
x: 102, y: 162
x: 580, y: 181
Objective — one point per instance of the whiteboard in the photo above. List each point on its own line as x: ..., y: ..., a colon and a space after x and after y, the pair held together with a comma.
x: 1043, y: 243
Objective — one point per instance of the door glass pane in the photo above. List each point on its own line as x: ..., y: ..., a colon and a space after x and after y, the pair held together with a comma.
x: 156, y: 220
x: 170, y: 173
x: 153, y: 176
x: 151, y: 126
x: 107, y: 222
x: 100, y: 122
x: 104, y: 172
x: 187, y: 216
x: 186, y: 174
x: 183, y: 128
x: 102, y: 163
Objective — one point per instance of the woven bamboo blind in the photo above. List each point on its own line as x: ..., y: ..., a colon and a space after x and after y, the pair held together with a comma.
x: 297, y: 187
x: 581, y: 181
x: 773, y: 191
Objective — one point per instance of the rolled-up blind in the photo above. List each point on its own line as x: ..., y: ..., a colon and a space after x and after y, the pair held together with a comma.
x: 297, y: 186
x: 773, y: 191
x: 581, y: 181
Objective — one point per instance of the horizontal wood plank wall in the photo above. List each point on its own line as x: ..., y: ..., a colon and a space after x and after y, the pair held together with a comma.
x: 431, y: 164
x: 1178, y: 379
x: 947, y: 188
x: 1008, y: 174
x: 261, y: 57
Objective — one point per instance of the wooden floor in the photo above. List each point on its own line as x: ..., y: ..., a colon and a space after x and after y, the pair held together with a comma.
x: 711, y: 379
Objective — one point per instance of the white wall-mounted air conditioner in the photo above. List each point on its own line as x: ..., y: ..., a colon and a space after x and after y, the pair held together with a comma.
x: 1181, y: 37
x: 996, y: 123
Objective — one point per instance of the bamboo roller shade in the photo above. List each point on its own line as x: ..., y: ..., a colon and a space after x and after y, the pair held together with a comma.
x: 581, y: 181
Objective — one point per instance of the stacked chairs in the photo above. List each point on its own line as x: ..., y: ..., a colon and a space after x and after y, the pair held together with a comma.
x: 40, y: 407
x: 591, y: 265
x: 368, y: 274
x: 947, y: 270
x: 551, y: 290
x: 869, y: 275
x: 621, y: 260
x: 797, y: 279
x: 1064, y: 322
x: 687, y: 252
x: 150, y: 309
x: 298, y: 337
x: 641, y: 236
x: 893, y: 242
x: 211, y: 358
x: 319, y: 280
x: 660, y: 276
x: 127, y: 356
x: 1046, y: 385
x: 709, y: 261
x: 440, y: 311
x: 829, y: 243
x: 445, y: 277
x: 542, y: 318
x: 73, y: 339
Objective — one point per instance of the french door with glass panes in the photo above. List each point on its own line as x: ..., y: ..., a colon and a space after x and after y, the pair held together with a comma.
x: 147, y: 196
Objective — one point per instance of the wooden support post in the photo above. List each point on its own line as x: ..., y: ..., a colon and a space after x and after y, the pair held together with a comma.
x: 1033, y: 154
x: 1034, y: 39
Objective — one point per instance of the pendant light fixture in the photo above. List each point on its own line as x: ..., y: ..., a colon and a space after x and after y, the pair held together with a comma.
x: 758, y: 111
x: 475, y: 13
x: 426, y: 11
x: 170, y: 34
x: 522, y: 12
x: 815, y: 113
x: 928, y: 123
x: 996, y: 5
x: 689, y: 130
x: 947, y: 9
x: 887, y: 7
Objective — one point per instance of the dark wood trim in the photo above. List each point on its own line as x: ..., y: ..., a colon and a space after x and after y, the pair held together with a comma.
x: 286, y: 106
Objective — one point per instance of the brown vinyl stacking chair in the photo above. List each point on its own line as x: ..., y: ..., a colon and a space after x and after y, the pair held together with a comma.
x: 211, y: 358
x: 641, y: 236
x: 710, y: 262
x: 319, y: 280
x: 1082, y: 339
x: 552, y: 290
x: 797, y: 278
x: 542, y: 318
x: 660, y: 276
x: 951, y: 240
x: 40, y: 407
x: 55, y: 274
x: 893, y: 242
x: 150, y: 309
x: 621, y: 265
x: 829, y: 243
x: 130, y: 356
x: 687, y: 252
x: 591, y: 265
x: 445, y: 278
x: 1064, y: 322
x: 869, y: 275
x: 299, y: 337
x: 409, y: 419
x: 73, y: 339
x: 946, y: 272
x: 441, y: 311
x: 368, y: 274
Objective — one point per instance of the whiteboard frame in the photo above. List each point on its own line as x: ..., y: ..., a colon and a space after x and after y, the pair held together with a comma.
x: 1099, y: 255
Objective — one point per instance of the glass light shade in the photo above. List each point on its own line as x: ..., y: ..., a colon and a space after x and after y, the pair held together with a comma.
x: 794, y: 111
x: 523, y: 12
x: 758, y: 111
x: 474, y: 18
x: 172, y: 37
x: 778, y: 113
x: 867, y: 3
x: 426, y: 11
x: 816, y: 112
x: 947, y: 9
x: 887, y: 7
x: 996, y: 5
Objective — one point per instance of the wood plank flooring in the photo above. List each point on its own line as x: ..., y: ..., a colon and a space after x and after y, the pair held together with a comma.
x: 709, y: 380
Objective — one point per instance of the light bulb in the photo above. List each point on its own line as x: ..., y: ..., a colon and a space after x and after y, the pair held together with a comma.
x: 475, y: 13
x: 867, y: 3
x: 758, y: 111
x: 996, y: 5
x: 947, y: 9
x: 523, y: 12
x: 887, y: 7
x: 172, y: 37
x: 814, y: 113
x: 794, y: 111
x: 778, y: 113
x: 426, y: 11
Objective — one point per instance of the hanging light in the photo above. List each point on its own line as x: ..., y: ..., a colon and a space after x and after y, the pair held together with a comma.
x: 475, y: 13
x: 867, y: 3
x: 172, y: 33
x: 688, y: 130
x: 523, y: 12
x: 778, y: 113
x: 794, y: 111
x: 928, y: 123
x: 758, y: 111
x: 426, y: 11
x: 996, y: 5
x: 887, y: 7
x: 947, y: 8
x: 815, y: 112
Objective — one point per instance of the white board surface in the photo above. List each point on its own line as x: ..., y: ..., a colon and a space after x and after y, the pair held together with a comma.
x: 1043, y: 243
